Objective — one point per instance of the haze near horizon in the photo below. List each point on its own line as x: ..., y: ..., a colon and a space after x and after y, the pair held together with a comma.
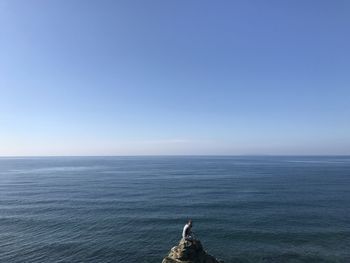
x: 174, y: 77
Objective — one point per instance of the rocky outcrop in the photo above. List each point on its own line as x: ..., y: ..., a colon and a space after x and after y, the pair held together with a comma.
x: 189, y: 252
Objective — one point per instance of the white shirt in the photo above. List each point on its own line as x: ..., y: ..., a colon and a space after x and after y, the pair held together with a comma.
x: 185, y: 230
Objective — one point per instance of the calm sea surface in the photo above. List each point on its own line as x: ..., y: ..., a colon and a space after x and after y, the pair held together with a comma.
x: 132, y: 209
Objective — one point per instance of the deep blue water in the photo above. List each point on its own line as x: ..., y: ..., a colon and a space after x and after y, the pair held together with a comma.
x: 132, y: 209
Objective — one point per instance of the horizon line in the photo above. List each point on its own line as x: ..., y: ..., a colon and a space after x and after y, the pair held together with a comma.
x: 179, y: 155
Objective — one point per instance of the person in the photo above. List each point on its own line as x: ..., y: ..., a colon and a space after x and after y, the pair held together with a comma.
x: 187, y: 233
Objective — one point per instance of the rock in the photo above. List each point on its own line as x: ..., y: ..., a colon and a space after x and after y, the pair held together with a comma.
x: 189, y: 252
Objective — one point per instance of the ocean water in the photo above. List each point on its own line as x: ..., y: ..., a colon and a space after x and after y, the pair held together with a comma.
x: 132, y: 209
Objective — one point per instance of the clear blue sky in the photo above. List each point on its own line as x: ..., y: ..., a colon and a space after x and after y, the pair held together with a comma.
x: 174, y: 77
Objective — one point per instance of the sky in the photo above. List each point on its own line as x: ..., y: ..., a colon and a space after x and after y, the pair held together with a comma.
x: 174, y: 77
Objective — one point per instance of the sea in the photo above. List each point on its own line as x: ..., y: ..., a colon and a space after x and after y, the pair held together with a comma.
x: 133, y: 209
